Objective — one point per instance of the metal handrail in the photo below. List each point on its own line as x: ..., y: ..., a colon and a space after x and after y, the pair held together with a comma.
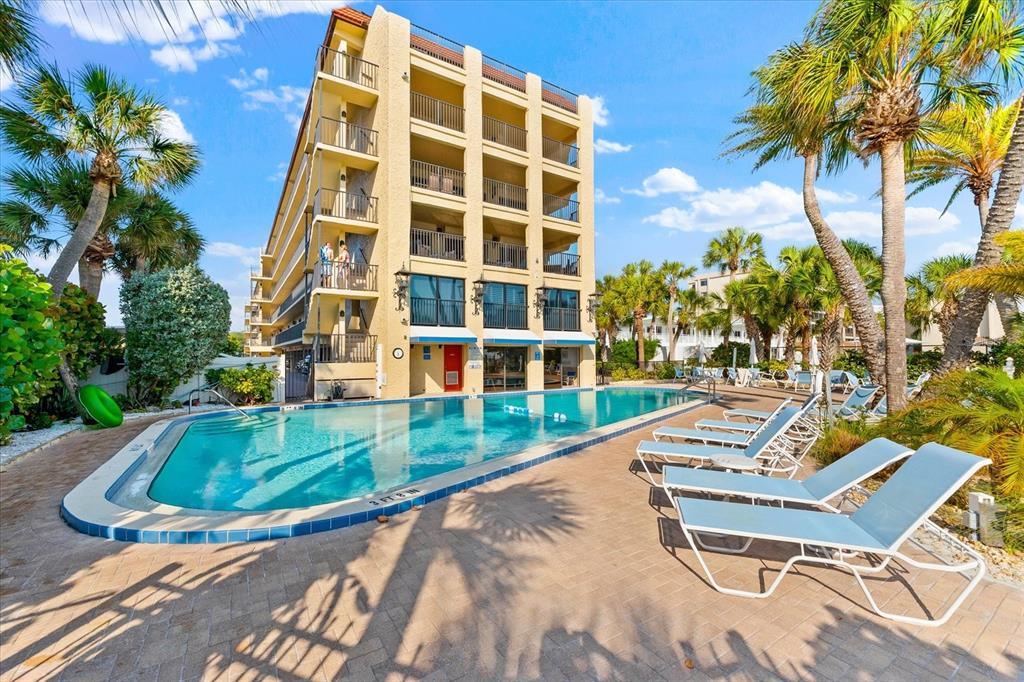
x: 438, y: 178
x: 562, y: 263
x: 335, y: 203
x: 504, y: 194
x: 437, y: 111
x: 559, y: 151
x: 559, y: 96
x: 500, y: 72
x: 435, y: 45
x: 504, y: 133
x: 505, y: 255
x: 431, y: 244
x: 347, y: 67
x: 562, y: 208
x: 354, y: 138
x: 212, y: 388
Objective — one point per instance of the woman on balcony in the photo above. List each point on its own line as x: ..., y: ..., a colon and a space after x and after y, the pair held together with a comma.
x: 326, y: 264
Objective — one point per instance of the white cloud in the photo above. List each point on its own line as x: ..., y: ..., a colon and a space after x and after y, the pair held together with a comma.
x: 829, y: 197
x: 666, y: 181
x: 246, y: 80
x: 279, y: 174
x: 180, y: 101
x: 599, y: 112
x: 603, y: 146
x: 601, y: 198
x: 6, y: 79
x: 920, y: 220
x: 247, y: 255
x: 288, y: 99
x: 188, y: 33
x: 954, y: 248
x: 172, y: 127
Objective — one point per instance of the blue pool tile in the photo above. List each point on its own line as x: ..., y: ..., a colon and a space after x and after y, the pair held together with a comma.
x: 301, y: 529
x: 405, y: 506
x: 177, y: 537
x: 280, y: 532
x: 361, y: 517
x: 131, y: 535
x: 259, y: 534
x: 151, y: 536
x: 238, y: 536
x: 340, y: 522
x: 390, y: 511
x: 321, y: 525
x: 217, y: 536
x: 120, y: 534
x: 196, y: 537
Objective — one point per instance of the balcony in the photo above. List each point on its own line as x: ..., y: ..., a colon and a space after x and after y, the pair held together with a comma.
x: 437, y: 111
x: 291, y: 334
x: 435, y: 45
x: 505, y: 255
x: 561, y: 208
x: 504, y: 194
x: 561, y: 152
x: 505, y: 134
x: 431, y: 244
x: 346, y: 205
x: 288, y: 302
x: 560, y: 97
x: 345, y: 275
x: 347, y: 67
x: 346, y: 136
x: 562, y: 263
x: 438, y: 178
x: 346, y: 348
x: 562, y: 319
x: 505, y: 316
x: 437, y: 312
x: 257, y: 292
x: 500, y: 72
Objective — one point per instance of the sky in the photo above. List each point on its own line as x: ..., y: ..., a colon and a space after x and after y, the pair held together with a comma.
x: 668, y: 79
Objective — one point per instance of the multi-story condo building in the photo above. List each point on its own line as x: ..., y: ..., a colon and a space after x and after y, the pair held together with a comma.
x: 435, y: 232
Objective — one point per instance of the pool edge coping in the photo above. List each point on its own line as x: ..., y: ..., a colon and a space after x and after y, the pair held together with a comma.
x: 87, y: 508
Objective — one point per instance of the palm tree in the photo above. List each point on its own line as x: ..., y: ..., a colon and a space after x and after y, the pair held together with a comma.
x: 609, y: 314
x: 689, y: 306
x: 675, y: 276
x: 116, y: 130
x: 790, y: 119
x: 733, y: 250
x: 1006, y: 278
x: 155, y: 235
x: 899, y: 62
x: 18, y: 38
x: 937, y: 273
x: 717, y: 317
x: 639, y: 288
x: 967, y: 146
x: 920, y: 309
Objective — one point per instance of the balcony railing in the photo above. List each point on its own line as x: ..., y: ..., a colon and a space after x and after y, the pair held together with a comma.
x: 437, y: 46
x: 562, y: 319
x: 292, y: 333
x: 257, y: 291
x: 560, y: 97
x: 561, y: 208
x: 288, y: 302
x: 346, y: 136
x: 500, y: 72
x: 562, y: 263
x: 569, y: 154
x: 505, y: 315
x: 438, y: 178
x: 431, y: 244
x: 505, y: 134
x: 437, y: 312
x: 331, y: 202
x: 347, y: 67
x: 505, y: 255
x: 437, y: 111
x: 504, y: 194
x: 346, y: 348
x: 349, y: 276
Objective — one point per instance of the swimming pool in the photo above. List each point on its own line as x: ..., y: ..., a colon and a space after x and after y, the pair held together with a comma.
x: 284, y: 460
x: 292, y: 470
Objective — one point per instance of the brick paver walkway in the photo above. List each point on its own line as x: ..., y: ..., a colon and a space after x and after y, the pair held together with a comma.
x: 563, y: 571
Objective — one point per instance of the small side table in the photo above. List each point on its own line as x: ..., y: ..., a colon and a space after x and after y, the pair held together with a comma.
x: 738, y: 463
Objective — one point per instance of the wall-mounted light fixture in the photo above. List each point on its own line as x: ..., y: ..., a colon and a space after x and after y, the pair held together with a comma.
x: 540, y: 298
x: 593, y: 301
x: 401, y: 286
x: 477, y: 299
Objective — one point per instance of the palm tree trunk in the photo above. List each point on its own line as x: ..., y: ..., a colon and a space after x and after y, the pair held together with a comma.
x: 997, y: 221
x: 894, y: 264
x: 90, y: 276
x: 638, y: 324
x: 1005, y: 306
x: 670, y: 324
x: 855, y: 293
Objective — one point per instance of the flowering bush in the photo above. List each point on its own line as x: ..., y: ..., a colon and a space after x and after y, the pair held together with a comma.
x: 250, y: 384
x: 175, y: 322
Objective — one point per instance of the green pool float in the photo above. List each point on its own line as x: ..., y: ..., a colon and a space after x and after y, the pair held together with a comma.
x: 100, y: 407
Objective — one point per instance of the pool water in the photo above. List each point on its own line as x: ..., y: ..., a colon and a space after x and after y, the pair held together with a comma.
x: 300, y: 458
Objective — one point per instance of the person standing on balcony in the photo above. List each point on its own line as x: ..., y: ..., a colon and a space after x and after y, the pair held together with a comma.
x: 343, y: 262
x: 326, y: 264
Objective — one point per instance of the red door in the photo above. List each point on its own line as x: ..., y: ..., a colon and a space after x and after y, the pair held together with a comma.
x: 452, y: 368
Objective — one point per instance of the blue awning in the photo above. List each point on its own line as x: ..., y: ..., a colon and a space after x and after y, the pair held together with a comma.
x: 569, y: 339
x: 510, y: 337
x: 422, y: 334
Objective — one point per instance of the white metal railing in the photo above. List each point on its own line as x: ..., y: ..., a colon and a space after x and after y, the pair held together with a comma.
x: 346, y: 136
x: 504, y: 133
x: 504, y: 194
x: 436, y: 111
x: 438, y: 178
x: 431, y: 244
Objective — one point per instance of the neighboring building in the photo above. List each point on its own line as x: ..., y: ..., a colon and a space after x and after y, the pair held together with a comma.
x: 989, y: 331
x: 462, y: 189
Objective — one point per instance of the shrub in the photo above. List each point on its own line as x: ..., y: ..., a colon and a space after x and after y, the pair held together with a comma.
x: 851, y: 361
x: 772, y: 366
x: 721, y: 355
x: 1003, y: 349
x: 82, y: 322
x: 250, y: 384
x: 624, y: 352
x: 665, y: 370
x: 30, y: 343
x: 232, y: 345
x: 175, y: 323
x: 926, y: 361
x: 627, y: 373
x: 840, y: 439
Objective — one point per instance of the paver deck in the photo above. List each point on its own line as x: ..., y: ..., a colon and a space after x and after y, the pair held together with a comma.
x: 574, y: 569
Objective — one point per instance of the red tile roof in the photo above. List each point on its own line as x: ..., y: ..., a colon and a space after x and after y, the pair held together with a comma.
x: 352, y: 16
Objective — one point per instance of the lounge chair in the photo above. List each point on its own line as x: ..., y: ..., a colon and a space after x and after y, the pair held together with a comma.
x: 769, y: 449
x: 838, y: 478
x: 856, y: 404
x: 880, y: 527
x: 734, y: 437
x: 882, y: 408
x: 754, y: 417
x: 805, y: 379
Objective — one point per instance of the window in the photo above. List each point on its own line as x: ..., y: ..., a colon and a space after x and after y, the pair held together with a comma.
x: 505, y: 306
x: 737, y: 334
x: 562, y: 310
x: 437, y: 301
x: 504, y: 368
x: 703, y: 282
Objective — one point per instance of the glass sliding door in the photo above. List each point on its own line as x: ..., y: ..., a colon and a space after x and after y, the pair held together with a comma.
x: 504, y: 368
